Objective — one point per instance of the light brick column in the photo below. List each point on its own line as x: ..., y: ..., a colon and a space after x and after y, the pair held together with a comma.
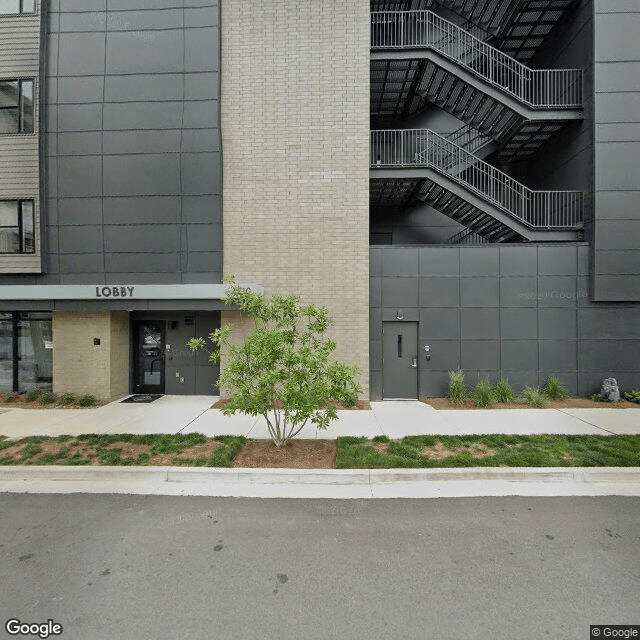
x: 295, y: 129
x: 79, y: 366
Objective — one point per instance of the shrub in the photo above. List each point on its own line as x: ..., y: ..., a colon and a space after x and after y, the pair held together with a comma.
x: 597, y: 397
x: 10, y: 397
x: 483, y: 394
x: 503, y: 392
x: 633, y: 396
x: 48, y: 398
x: 534, y: 397
x: 554, y: 388
x: 67, y: 398
x: 282, y: 370
x: 457, y: 391
x: 32, y: 396
x: 87, y: 400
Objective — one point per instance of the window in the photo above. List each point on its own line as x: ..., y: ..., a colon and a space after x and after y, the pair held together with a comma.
x: 8, y: 7
x: 26, y: 351
x: 16, y: 226
x: 16, y: 106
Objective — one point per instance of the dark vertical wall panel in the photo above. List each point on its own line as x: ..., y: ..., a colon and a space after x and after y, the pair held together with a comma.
x: 423, y: 225
x: 133, y: 142
x: 616, y: 247
x: 517, y: 311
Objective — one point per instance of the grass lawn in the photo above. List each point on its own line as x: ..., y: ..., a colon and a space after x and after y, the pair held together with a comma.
x: 352, y: 453
x: 489, y: 451
x: 192, y: 449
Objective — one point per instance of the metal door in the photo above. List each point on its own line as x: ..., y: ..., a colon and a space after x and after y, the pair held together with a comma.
x: 400, y: 360
x: 149, y: 356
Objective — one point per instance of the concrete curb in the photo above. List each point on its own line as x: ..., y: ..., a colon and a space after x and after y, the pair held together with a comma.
x: 324, y: 483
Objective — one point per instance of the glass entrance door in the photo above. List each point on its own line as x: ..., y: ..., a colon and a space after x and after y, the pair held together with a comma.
x: 149, y: 355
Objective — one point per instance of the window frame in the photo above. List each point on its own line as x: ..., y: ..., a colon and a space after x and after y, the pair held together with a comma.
x: 21, y: 10
x: 20, y: 107
x: 21, y: 227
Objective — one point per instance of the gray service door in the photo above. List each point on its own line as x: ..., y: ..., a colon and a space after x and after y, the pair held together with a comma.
x: 399, y: 360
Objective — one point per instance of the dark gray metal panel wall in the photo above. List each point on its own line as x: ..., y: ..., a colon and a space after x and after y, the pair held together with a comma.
x: 423, y: 225
x: 617, y: 151
x: 519, y: 311
x: 133, y: 143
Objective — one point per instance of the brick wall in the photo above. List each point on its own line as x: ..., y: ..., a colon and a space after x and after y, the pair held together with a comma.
x: 79, y: 366
x: 119, y: 353
x: 295, y: 128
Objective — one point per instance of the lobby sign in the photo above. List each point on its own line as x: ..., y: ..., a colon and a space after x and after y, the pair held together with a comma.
x: 118, y: 291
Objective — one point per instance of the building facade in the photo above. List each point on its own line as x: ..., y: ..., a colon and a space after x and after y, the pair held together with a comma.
x: 456, y: 180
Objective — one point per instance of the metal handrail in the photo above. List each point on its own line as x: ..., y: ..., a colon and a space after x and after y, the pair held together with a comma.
x: 468, y: 138
x: 426, y: 148
x: 537, y: 88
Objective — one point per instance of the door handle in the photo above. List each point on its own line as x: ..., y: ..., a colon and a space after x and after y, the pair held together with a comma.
x: 414, y: 362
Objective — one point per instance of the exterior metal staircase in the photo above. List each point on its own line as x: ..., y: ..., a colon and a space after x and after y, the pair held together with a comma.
x: 466, y: 236
x: 419, y: 58
x: 472, y: 140
x: 491, y: 15
x: 518, y: 27
x: 436, y: 171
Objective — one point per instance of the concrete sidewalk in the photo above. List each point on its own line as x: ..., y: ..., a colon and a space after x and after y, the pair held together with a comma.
x: 396, y: 419
x: 187, y: 414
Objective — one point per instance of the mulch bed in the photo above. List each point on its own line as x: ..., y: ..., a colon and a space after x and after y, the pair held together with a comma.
x: 296, y: 454
x: 21, y: 403
x: 569, y: 403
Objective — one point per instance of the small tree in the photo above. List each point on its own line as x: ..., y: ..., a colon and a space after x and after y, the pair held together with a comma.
x: 282, y: 370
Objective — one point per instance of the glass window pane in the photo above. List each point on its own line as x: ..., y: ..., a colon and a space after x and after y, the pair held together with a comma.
x: 9, y: 240
x: 26, y: 106
x: 6, y: 352
x: 8, y: 93
x: 9, y: 6
x: 28, y: 6
x: 8, y: 213
x: 9, y: 101
x: 28, y: 244
x: 9, y: 120
x: 9, y: 237
x: 152, y: 353
x: 35, y: 353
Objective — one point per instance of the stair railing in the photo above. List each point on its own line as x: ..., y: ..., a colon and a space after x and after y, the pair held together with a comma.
x: 538, y: 88
x: 426, y: 148
x: 468, y: 138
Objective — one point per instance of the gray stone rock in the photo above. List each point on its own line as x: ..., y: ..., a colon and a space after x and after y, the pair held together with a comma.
x: 610, y: 390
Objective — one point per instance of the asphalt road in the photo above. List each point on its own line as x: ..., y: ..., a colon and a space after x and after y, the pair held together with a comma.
x: 147, y: 567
